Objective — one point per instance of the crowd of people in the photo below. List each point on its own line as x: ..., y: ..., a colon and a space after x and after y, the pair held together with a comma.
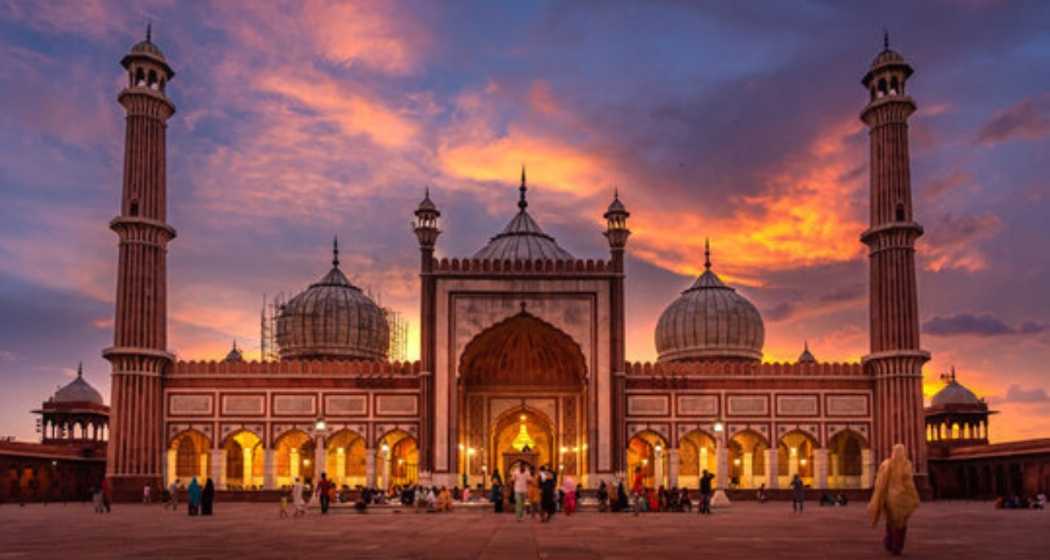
x: 1021, y: 502
x: 536, y: 493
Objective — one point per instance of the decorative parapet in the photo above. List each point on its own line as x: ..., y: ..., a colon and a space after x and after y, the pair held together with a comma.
x: 296, y: 367
x: 547, y: 266
x: 754, y: 369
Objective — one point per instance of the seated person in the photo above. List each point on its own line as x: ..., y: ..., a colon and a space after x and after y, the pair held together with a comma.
x: 761, y: 494
x: 684, y: 503
x: 841, y: 500
x: 826, y: 500
x: 444, y: 500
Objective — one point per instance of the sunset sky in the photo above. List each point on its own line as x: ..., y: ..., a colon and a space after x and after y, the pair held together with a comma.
x: 735, y: 121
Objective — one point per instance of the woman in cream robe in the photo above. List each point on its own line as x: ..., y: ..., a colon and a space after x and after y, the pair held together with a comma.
x: 894, y: 497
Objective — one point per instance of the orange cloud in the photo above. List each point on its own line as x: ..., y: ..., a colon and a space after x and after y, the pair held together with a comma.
x: 355, y: 113
x: 803, y: 217
x: 369, y: 33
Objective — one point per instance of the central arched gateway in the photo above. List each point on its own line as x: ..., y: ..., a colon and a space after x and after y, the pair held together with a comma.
x: 522, y: 384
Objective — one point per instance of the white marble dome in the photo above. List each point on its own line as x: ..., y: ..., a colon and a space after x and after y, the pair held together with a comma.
x: 954, y: 393
x: 710, y: 321
x: 333, y: 320
x: 78, y: 391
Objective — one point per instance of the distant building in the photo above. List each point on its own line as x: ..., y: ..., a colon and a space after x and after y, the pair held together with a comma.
x: 71, y: 456
x: 962, y: 462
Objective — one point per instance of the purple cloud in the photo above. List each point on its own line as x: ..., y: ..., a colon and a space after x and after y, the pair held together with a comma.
x: 1028, y: 119
x: 965, y: 324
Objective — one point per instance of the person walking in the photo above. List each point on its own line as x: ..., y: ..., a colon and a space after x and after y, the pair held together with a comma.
x: 638, y: 491
x: 107, y: 495
x: 96, y: 499
x: 297, y: 498
x: 193, y: 497
x: 895, y: 497
x: 568, y: 486
x: 146, y: 491
x: 547, y: 491
x: 798, y: 494
x: 533, y: 493
x: 173, y: 499
x: 705, y: 493
x: 497, y: 493
x: 324, y: 488
x: 207, y: 497
x: 521, y: 490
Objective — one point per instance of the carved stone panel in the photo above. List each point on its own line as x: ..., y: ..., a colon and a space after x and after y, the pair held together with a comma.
x: 847, y: 405
x: 697, y: 405
x: 186, y: 405
x: 295, y: 405
x: 648, y: 405
x: 748, y: 405
x: 346, y: 405
x: 797, y: 405
x: 243, y: 405
x: 397, y: 405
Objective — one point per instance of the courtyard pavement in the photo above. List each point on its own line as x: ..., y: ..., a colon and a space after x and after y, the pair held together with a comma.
x: 959, y: 530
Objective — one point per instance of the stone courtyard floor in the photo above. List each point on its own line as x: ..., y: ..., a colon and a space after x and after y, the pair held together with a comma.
x: 960, y: 530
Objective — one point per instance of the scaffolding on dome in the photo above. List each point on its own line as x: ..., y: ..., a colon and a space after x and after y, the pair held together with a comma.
x: 269, y: 351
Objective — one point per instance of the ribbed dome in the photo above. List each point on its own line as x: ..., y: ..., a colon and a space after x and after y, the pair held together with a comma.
x: 710, y: 321
x: 954, y: 394
x: 78, y: 391
x: 522, y: 239
x: 887, y: 56
x: 148, y: 48
x: 333, y: 319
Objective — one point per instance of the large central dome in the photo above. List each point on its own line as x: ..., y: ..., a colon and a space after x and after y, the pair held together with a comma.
x: 710, y: 321
x: 522, y: 239
x: 334, y: 320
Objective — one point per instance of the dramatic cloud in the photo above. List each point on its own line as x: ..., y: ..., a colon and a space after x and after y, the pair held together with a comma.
x: 298, y: 121
x: 954, y: 242
x: 1018, y: 394
x: 1026, y: 120
x: 977, y: 325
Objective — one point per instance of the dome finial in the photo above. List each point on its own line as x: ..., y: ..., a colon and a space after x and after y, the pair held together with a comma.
x: 707, y: 253
x: 885, y: 39
x: 521, y: 201
x: 80, y: 370
x: 335, y: 251
x: 149, y: 31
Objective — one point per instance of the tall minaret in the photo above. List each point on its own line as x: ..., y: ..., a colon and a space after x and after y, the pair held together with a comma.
x: 426, y: 228
x: 139, y: 353
x: 896, y: 359
x: 616, y: 233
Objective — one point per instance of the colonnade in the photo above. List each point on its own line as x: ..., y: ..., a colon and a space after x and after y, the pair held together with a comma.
x: 212, y: 463
x: 826, y: 470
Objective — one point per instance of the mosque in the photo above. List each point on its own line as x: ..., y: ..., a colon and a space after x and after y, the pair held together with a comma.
x: 522, y: 355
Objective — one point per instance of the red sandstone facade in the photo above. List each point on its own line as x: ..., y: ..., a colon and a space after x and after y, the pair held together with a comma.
x: 522, y: 342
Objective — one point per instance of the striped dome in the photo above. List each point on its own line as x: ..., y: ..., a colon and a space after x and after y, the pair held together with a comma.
x: 710, y: 321
x: 333, y: 319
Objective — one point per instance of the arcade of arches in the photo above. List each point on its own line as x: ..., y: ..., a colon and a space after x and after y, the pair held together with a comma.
x: 748, y: 461
x: 242, y: 462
